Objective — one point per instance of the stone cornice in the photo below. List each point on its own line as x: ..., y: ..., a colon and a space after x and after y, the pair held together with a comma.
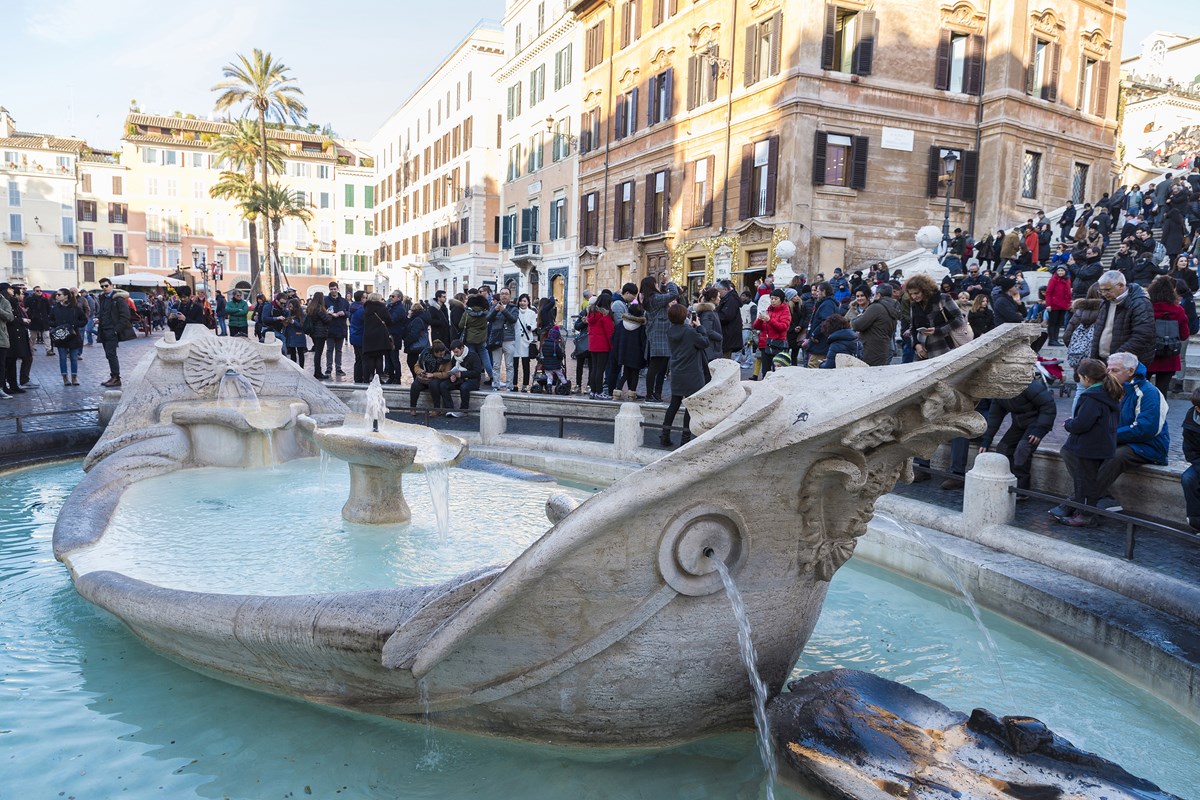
x: 565, y: 25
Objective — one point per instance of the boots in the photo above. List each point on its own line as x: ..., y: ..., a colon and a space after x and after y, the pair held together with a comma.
x: 66, y: 380
x: 685, y: 437
x: 665, y: 439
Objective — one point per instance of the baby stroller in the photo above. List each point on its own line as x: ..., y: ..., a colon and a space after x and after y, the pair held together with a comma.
x: 1052, y: 373
x: 553, y: 380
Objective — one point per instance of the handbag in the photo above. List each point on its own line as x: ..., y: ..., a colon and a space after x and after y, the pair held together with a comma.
x: 777, y: 345
x: 1080, y: 346
x: 960, y: 334
x: 61, y: 333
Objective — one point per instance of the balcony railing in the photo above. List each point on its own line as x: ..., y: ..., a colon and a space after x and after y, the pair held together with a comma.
x: 16, y: 273
x: 326, y: 246
x: 87, y: 250
x: 170, y: 237
x: 439, y: 254
x: 303, y: 245
x: 526, y: 251
x: 66, y: 241
x: 154, y: 236
x: 119, y: 252
x: 15, y: 238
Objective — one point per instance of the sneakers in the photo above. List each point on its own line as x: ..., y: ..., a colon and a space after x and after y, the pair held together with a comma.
x: 5, y: 395
x: 952, y: 483
x: 1109, y: 504
x: 111, y: 382
x: 454, y: 413
x: 604, y: 396
x: 1060, y: 512
x: 1080, y: 521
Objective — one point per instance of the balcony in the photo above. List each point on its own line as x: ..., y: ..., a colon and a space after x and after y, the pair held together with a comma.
x: 87, y: 250
x: 154, y: 236
x: 119, y: 252
x: 16, y: 273
x: 303, y: 245
x: 172, y: 237
x: 325, y: 247
x: 15, y: 238
x: 65, y: 241
x: 527, y: 252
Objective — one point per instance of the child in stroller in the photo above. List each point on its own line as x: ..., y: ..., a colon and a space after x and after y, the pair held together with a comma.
x: 550, y: 377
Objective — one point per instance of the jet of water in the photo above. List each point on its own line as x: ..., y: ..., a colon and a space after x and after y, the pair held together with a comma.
x: 766, y: 749
x: 437, y: 475
x: 235, y: 391
x: 376, y: 408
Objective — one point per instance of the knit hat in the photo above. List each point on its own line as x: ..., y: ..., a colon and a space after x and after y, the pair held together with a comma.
x: 789, y: 294
x: 783, y: 359
x: 1005, y: 284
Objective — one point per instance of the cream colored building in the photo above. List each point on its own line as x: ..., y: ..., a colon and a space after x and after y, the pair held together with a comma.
x: 37, y: 187
x: 436, y: 162
x: 713, y: 130
x: 355, y: 192
x: 102, y: 217
x: 539, y: 194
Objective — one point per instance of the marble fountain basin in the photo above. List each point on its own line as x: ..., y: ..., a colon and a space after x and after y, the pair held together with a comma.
x: 414, y: 447
x: 613, y: 627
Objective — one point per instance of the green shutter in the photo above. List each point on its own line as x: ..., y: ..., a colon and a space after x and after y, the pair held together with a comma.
x: 349, y: 226
x: 369, y: 197
x: 349, y: 195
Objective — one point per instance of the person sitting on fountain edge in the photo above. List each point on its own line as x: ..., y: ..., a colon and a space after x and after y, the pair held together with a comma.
x: 464, y: 375
x: 432, y: 373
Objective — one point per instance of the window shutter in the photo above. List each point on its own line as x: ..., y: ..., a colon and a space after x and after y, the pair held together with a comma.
x: 506, y: 233
x: 933, y: 176
x: 969, y: 175
x: 633, y: 111
x: 656, y: 13
x: 864, y: 51
x: 583, y: 221
x: 619, y: 118
x: 858, y: 175
x: 652, y: 101
x: 772, y: 173
x: 941, y: 76
x: 79, y: 209
x: 751, y: 73
x: 637, y: 19
x: 674, y: 8
x: 708, y: 192
x: 776, y: 41
x: 1100, y: 106
x: 558, y: 70
x: 819, y: 146
x: 693, y: 92
x: 668, y: 92
x: 584, y: 133
x: 649, y: 225
x: 1031, y: 66
x: 973, y: 73
x: 626, y: 23
x: 599, y: 43
x: 1050, y: 91
x: 689, y: 194
x: 112, y: 209
x: 746, y: 180
x: 619, y: 215
x: 829, y: 39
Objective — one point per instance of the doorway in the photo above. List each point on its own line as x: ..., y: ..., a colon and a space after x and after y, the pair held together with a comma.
x: 558, y: 290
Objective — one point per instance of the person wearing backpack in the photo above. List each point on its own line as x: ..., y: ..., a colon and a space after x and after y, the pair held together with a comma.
x: 1171, y: 331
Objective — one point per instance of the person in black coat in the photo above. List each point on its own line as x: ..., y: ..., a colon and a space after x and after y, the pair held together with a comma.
x: 339, y: 314
x: 439, y: 317
x: 729, y: 311
x: 1008, y: 306
x: 837, y: 332
x: 1092, y: 437
x: 376, y: 339
x: 397, y: 310
x: 67, y: 314
x: 465, y: 372
x: 1065, y: 222
x: 1033, y: 412
x: 631, y: 350
x: 688, y: 344
x: 416, y: 335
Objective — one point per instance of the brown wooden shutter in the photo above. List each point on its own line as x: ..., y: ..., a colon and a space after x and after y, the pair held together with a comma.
x: 648, y: 226
x: 600, y: 42
x: 858, y: 174
x: 619, y: 118
x: 669, y: 92
x: 829, y: 39
x: 820, y: 144
x: 934, y: 175
x: 689, y: 194
x: 674, y: 9
x: 973, y: 72
x: 626, y: 23
x: 776, y: 41
x: 772, y: 173
x: 583, y: 132
x: 112, y: 211
x: 1030, y: 67
x: 941, y: 75
x: 864, y: 50
x: 708, y: 191
x: 619, y: 214
x: 583, y: 221
x: 968, y: 177
x: 693, y: 79
x: 751, y: 70
x: 79, y: 209
x: 656, y: 13
x: 637, y: 19
x: 1050, y: 92
x: 652, y: 100
x: 746, y: 178
x: 631, y: 214
x: 1100, y: 106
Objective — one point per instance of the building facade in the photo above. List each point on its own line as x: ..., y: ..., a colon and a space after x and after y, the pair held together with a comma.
x: 436, y: 157
x: 355, y: 236
x: 713, y: 130
x: 102, y: 217
x: 540, y: 82
x: 38, y: 178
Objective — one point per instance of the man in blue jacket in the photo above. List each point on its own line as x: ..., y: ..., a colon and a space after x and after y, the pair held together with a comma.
x: 339, y: 314
x: 356, y: 333
x: 1142, y: 433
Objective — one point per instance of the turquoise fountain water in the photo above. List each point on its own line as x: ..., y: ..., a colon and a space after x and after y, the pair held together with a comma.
x: 87, y: 711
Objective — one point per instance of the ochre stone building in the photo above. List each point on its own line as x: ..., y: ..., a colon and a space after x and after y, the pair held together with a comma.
x: 712, y: 130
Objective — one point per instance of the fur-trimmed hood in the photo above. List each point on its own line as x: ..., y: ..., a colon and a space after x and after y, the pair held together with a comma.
x: 632, y: 322
x: 700, y: 308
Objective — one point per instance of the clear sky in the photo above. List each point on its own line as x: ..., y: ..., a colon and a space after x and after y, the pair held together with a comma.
x: 72, y: 66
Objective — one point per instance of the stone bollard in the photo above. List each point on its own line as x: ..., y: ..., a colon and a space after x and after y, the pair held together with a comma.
x: 108, y: 406
x: 627, y: 431
x: 986, y: 499
x: 492, y: 422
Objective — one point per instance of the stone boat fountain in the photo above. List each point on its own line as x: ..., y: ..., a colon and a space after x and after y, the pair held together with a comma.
x: 613, y: 627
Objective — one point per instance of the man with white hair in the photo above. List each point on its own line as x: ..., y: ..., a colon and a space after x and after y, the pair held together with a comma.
x: 1126, y: 322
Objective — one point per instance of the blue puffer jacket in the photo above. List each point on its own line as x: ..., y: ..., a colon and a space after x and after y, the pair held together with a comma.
x: 356, y: 325
x: 1143, y: 424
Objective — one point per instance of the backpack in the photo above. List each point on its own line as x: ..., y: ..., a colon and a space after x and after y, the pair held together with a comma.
x: 1080, y: 346
x: 1160, y: 254
x: 1166, y: 338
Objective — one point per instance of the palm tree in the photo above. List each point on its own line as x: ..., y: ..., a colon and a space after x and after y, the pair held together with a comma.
x: 239, y: 149
x: 263, y: 85
x: 280, y: 204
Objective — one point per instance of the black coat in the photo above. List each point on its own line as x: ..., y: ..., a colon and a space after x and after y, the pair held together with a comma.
x: 631, y: 349
x: 1133, y: 326
x: 1033, y: 410
x: 68, y: 315
x: 1005, y: 309
x: 687, y: 345
x: 439, y: 323
x: 729, y: 311
x: 1085, y: 275
x: 1093, y: 429
x: 1173, y: 231
x: 416, y: 333
x: 376, y: 338
x: 1068, y: 217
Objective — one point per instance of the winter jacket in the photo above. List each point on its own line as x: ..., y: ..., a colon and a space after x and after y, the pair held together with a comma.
x: 1143, y: 422
x: 600, y: 331
x: 1058, y: 293
x: 475, y: 325
x: 1191, y: 435
x: 1033, y: 410
x: 687, y: 345
x: 845, y: 341
x: 779, y: 318
x: 1084, y: 313
x: 1143, y: 272
x: 710, y: 324
x: 1132, y: 326
x: 1085, y: 275
x: 376, y: 338
x: 823, y: 311
x: 1092, y: 431
x: 877, y: 328
x: 397, y: 320
x: 729, y: 311
x: 71, y: 315
x: 657, y: 322
x: 940, y: 313
x: 1005, y: 309
x: 439, y: 323
x: 355, y: 325
x: 1172, y: 311
x: 114, y: 320
x: 337, y: 325
x: 317, y: 323
x: 631, y: 349
x: 981, y: 321
x: 237, y: 310
x: 293, y: 330
x: 6, y: 316
x: 553, y: 353
x: 525, y: 331
x: 416, y: 333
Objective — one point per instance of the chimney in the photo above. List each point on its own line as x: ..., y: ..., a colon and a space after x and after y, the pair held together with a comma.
x: 8, y: 125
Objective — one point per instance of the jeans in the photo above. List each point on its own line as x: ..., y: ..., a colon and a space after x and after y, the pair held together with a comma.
x: 465, y: 387
x: 90, y: 330
x: 1113, y: 467
x: 1191, y: 490
x: 485, y: 357
x: 110, y: 352
x: 333, y: 353
x: 222, y: 329
x: 74, y: 353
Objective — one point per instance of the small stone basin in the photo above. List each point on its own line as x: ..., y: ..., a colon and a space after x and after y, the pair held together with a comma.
x: 240, y: 434
x: 390, y: 446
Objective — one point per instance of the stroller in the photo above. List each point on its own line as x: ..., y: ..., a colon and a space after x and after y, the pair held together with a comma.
x: 549, y: 374
x: 1052, y: 373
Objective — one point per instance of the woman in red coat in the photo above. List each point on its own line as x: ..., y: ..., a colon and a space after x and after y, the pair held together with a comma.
x: 1058, y: 301
x: 772, y: 328
x: 1166, y: 306
x: 600, y: 331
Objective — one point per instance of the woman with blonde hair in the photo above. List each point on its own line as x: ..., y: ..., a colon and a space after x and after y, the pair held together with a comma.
x: 931, y: 317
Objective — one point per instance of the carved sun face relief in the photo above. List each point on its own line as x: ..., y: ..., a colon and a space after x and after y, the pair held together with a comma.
x: 211, y: 357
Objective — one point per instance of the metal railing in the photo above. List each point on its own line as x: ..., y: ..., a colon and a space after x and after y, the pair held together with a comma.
x: 19, y: 418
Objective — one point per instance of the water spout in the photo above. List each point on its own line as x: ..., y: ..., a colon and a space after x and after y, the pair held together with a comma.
x: 766, y: 750
x: 236, y: 391
x: 437, y: 475
x: 376, y: 407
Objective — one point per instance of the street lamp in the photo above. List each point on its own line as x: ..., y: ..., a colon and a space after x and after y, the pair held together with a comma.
x: 200, y: 263
x: 949, y: 162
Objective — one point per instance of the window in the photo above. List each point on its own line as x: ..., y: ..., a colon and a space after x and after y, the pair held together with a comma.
x: 624, y: 204
x: 85, y: 181
x: 541, y: 18
x: 1079, y: 177
x: 625, y: 123
x: 89, y: 243
x: 170, y: 158
x: 323, y: 171
x: 326, y: 200
x: 18, y: 264
x: 537, y: 85
x: 529, y: 224
x: 1093, y: 87
x: 150, y: 155
x: 763, y: 40
x: 349, y: 200
x: 507, y: 229
x: 658, y: 202
x: 68, y: 230
x: 561, y: 143
x: 1041, y: 73
x: 517, y: 38
x: 14, y: 194
x: 631, y: 22
x: 703, y: 71
x: 840, y: 160
x: 16, y: 227
x: 589, y: 219
x: 562, y: 66
x: 1031, y: 166
x: 966, y: 173
x: 760, y: 165
x: 118, y: 213
x: 593, y: 46
x: 199, y: 224
x: 172, y: 187
x: 849, y: 41
x: 368, y: 197
x: 152, y: 186
x: 514, y: 100
x: 368, y: 227
x: 197, y: 160
x: 89, y: 271
x: 663, y: 10
x: 349, y: 226
x: 960, y: 63
x: 535, y: 152
x: 69, y: 262
x: 173, y: 258
x: 243, y: 261
x: 558, y: 217
x: 661, y: 90
x: 589, y: 131
x: 116, y: 185
x: 86, y: 210
x: 514, y: 162
x: 119, y: 244
x: 697, y: 197
x: 154, y: 257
